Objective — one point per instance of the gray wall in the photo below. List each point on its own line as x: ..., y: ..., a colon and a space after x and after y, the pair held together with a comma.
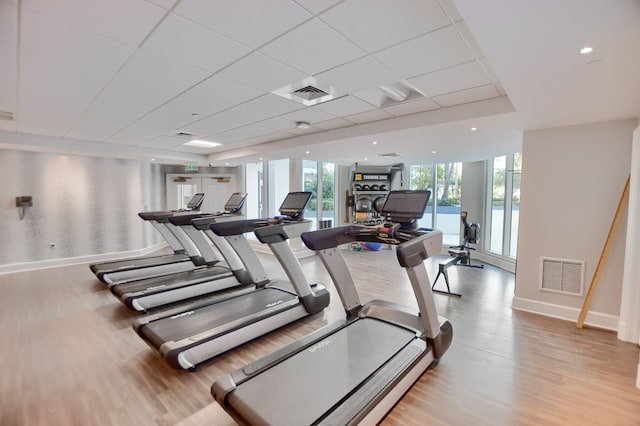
x: 572, y: 179
x: 84, y: 205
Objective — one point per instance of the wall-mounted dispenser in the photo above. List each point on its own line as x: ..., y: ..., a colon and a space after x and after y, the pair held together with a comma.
x: 22, y: 202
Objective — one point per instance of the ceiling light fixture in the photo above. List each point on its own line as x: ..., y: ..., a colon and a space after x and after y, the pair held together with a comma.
x: 302, y: 125
x: 433, y: 152
x: 375, y: 142
x: 586, y: 50
x: 365, y: 158
x: 202, y: 144
x: 394, y: 92
x: 153, y: 159
x: 473, y: 129
x: 307, y: 152
x: 226, y: 164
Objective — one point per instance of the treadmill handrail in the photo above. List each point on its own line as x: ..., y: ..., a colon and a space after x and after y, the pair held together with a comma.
x: 185, y: 219
x: 333, y: 237
x: 237, y: 227
x: 203, y: 223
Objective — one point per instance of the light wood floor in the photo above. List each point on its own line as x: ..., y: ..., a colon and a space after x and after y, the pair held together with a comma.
x: 69, y: 357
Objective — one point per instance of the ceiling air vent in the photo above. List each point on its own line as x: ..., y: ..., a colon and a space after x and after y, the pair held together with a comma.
x: 390, y: 155
x: 309, y: 93
x: 185, y: 135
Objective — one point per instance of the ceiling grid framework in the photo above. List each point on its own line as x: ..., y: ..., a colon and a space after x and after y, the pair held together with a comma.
x: 113, y: 76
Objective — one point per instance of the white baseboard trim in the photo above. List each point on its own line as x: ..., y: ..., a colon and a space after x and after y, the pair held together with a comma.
x: 94, y: 258
x: 593, y: 319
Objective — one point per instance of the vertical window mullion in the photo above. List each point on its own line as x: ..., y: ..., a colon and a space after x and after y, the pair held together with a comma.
x: 506, y: 234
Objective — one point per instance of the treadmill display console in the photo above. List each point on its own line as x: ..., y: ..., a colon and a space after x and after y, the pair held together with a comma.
x: 195, y: 202
x: 235, y: 202
x: 295, y: 203
x: 405, y: 206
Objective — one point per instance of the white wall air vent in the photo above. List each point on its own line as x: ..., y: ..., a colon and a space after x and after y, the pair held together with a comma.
x: 562, y: 275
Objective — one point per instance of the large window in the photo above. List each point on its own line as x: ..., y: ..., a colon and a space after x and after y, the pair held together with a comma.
x: 319, y: 178
x: 496, y: 211
x: 503, y: 206
x: 515, y: 203
x: 446, y: 178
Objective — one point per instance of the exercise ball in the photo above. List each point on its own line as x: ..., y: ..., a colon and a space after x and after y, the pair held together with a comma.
x: 364, y: 205
x: 378, y: 204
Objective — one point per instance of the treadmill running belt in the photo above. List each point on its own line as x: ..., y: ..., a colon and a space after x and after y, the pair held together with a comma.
x: 305, y: 386
x: 190, y: 323
x: 182, y: 279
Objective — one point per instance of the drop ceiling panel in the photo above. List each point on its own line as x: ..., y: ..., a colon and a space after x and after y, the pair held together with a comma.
x: 57, y: 83
x: 165, y: 4
x: 232, y: 118
x: 336, y: 123
x: 366, y: 117
x: 8, y: 52
x: 317, y: 6
x: 273, y: 105
x: 312, y: 47
x: 465, y: 33
x: 262, y: 72
x: 469, y: 95
x: 279, y: 124
x: 245, y: 132
x: 184, y: 41
x: 412, y: 107
x: 128, y: 21
x: 175, y: 114
x: 445, y: 46
x: 145, y: 82
x: 450, y: 10
x: 347, y: 105
x: 251, y: 22
x: 376, y: 24
x: 309, y: 114
x: 164, y: 142
x: 361, y: 74
x: 452, y: 79
x: 226, y: 90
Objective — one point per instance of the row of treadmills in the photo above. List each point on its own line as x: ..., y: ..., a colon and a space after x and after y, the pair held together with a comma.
x: 198, y: 306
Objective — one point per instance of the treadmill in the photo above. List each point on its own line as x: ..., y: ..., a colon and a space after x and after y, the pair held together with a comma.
x: 145, y: 294
x: 200, y: 332
x: 353, y: 371
x: 183, y: 248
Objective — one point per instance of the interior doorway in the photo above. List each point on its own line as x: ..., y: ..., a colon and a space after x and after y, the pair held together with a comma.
x: 217, y: 189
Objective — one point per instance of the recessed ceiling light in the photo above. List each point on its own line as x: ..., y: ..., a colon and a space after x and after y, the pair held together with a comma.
x: 433, y: 152
x: 375, y: 142
x: 260, y: 158
x: 307, y: 152
x: 226, y: 164
x: 586, y: 50
x: 473, y: 129
x: 365, y: 158
x: 302, y: 125
x: 153, y: 159
x: 202, y: 144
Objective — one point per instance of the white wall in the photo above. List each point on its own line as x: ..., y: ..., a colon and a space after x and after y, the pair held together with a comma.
x: 572, y: 180
x: 84, y: 205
